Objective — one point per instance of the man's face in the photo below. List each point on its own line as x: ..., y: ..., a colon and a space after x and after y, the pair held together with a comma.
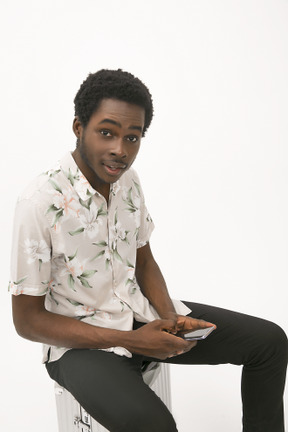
x: 109, y: 144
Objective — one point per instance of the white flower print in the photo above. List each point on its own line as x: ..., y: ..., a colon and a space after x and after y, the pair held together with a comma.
x: 50, y: 286
x: 115, y: 188
x: 16, y: 287
x: 90, y: 219
x: 63, y: 203
x: 131, y: 280
x: 103, y: 315
x: 106, y: 253
x: 90, y: 222
x: 133, y: 202
x: 125, y: 191
x: 37, y: 251
x: 72, y: 267
x: 82, y: 310
x: 66, y: 202
x: 74, y: 270
x: 83, y: 186
x: 118, y: 233
x: 136, y: 213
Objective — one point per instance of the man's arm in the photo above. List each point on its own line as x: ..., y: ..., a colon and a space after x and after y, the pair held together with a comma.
x: 32, y: 321
x: 152, y: 283
x: 153, y: 286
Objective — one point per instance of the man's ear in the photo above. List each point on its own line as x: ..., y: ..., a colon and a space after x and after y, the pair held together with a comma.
x: 77, y: 127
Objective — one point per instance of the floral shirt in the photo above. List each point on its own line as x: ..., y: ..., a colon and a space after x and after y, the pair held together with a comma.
x: 80, y: 252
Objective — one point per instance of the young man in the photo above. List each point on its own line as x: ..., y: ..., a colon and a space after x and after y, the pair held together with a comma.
x: 86, y: 285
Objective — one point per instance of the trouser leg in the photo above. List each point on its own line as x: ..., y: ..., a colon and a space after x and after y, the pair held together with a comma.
x: 111, y: 389
x: 261, y: 347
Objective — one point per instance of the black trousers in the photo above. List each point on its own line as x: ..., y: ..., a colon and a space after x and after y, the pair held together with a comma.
x: 112, y: 390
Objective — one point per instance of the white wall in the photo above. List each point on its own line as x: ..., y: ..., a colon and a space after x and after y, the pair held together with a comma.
x: 213, y: 165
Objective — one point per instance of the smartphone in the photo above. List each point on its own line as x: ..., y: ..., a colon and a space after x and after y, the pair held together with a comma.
x: 198, y: 334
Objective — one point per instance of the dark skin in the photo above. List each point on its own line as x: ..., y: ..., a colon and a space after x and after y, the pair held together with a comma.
x: 107, y: 147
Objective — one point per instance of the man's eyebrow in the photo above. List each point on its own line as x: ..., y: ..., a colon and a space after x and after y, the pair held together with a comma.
x: 139, y: 128
x: 132, y: 127
x: 107, y: 120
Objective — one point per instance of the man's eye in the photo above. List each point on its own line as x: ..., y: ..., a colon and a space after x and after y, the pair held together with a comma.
x: 105, y: 133
x: 132, y: 138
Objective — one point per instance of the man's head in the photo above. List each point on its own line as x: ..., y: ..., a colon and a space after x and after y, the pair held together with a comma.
x: 113, y: 110
x: 112, y: 84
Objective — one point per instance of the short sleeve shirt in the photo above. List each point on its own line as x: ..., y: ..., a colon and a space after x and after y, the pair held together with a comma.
x: 79, y: 251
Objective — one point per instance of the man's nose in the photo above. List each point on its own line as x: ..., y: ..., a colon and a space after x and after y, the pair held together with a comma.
x: 118, y: 148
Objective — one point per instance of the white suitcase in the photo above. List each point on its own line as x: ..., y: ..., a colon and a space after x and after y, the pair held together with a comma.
x: 73, y: 418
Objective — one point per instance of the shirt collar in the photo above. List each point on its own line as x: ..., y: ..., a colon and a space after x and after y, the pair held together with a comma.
x: 77, y: 179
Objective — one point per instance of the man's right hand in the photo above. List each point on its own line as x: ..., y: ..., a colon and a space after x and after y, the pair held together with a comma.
x: 155, y: 340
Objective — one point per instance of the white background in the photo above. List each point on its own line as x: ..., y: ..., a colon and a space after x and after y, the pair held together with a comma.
x: 213, y: 165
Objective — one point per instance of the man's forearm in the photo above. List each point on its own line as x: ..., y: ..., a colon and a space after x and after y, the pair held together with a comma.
x: 32, y: 321
x: 153, y: 286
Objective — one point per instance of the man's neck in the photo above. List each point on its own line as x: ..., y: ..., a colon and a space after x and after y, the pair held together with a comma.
x: 101, y: 187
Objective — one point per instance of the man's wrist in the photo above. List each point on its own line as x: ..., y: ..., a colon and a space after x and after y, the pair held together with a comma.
x: 171, y: 314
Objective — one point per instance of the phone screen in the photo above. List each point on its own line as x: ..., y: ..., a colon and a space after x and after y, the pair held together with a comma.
x: 198, y: 334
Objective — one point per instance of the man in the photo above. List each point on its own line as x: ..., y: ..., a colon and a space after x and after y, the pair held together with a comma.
x: 86, y: 285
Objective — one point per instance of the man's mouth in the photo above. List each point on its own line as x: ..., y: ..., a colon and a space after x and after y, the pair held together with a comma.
x: 114, y: 168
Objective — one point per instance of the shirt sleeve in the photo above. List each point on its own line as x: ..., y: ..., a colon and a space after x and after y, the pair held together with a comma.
x: 146, y: 225
x: 31, y: 250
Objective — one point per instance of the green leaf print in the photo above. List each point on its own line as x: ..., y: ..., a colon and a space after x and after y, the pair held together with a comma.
x: 129, y: 281
x: 116, y: 255
x: 102, y: 243
x: 137, y: 186
x: 55, y: 186
x: 88, y: 273
x: 20, y: 280
x: 52, y: 173
x: 53, y: 298
x: 131, y: 206
x: 86, y: 203
x: 71, y: 257
x: 77, y: 231
x: 72, y: 177
x: 130, y: 196
x: 84, y: 282
x: 52, y: 208
x: 98, y: 255
x: 101, y: 211
x: 74, y: 302
x: 129, y: 264
x: 71, y: 282
x: 125, y: 240
x: 58, y: 215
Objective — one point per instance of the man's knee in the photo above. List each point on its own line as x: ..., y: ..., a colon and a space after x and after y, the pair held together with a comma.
x: 275, y: 340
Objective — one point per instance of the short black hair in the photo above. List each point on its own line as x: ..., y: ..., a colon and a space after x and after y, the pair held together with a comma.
x: 112, y: 84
